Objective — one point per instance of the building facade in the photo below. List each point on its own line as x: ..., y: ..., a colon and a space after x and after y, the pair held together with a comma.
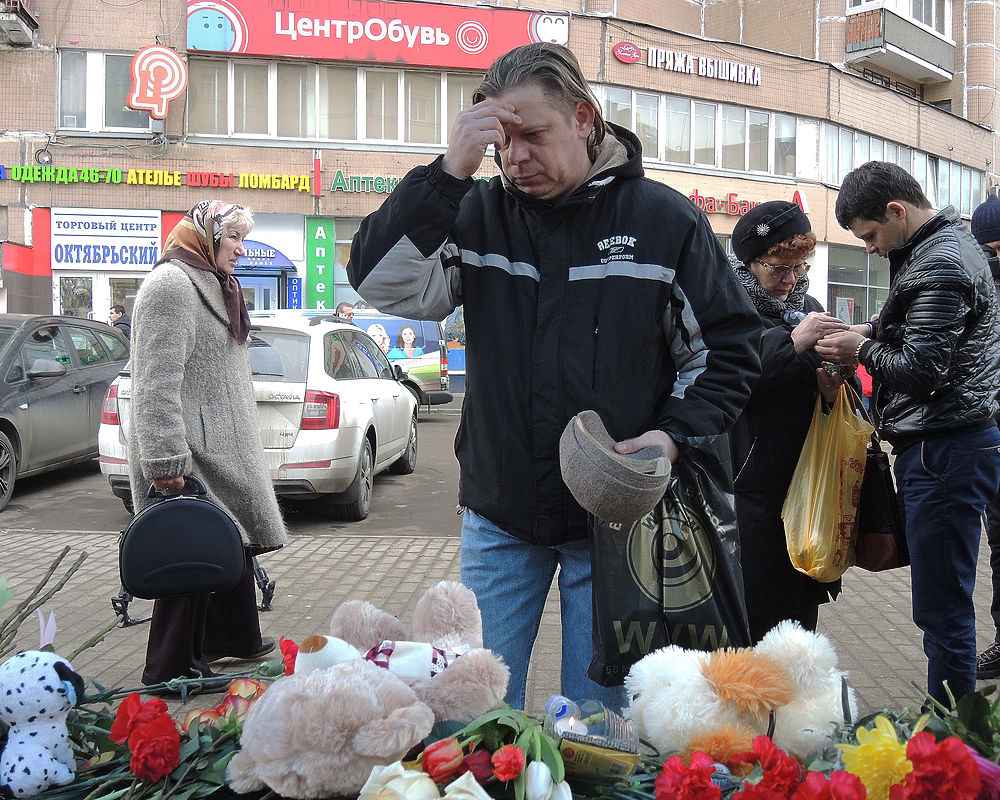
x: 310, y: 116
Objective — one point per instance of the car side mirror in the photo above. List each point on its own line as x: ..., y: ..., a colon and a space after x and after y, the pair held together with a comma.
x: 46, y: 368
x: 398, y: 370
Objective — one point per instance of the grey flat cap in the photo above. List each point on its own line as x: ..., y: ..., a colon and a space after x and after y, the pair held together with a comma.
x: 611, y: 486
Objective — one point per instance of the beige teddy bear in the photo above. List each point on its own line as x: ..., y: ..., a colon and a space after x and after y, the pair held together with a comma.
x: 320, y: 734
x: 466, y: 681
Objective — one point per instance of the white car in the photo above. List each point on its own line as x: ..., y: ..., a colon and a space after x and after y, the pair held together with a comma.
x: 332, y: 413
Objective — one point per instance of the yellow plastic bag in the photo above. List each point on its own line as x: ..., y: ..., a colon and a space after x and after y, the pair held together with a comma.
x: 821, y: 507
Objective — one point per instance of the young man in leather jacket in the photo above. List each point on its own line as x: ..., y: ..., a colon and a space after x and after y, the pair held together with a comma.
x: 934, y: 353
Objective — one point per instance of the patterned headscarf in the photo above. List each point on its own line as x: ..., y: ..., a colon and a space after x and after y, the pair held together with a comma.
x: 195, y: 241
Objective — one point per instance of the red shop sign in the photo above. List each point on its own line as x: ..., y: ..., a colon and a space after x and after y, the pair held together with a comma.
x: 627, y: 52
x: 420, y: 34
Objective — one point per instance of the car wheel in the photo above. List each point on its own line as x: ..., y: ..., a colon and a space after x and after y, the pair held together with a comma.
x: 354, y: 504
x: 8, y: 470
x: 407, y: 462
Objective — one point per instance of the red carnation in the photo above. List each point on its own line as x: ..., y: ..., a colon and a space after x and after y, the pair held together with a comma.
x: 478, y: 763
x: 758, y: 791
x: 940, y: 769
x: 678, y: 781
x: 508, y: 762
x: 289, y: 651
x: 840, y: 786
x: 155, y: 747
x: 133, y: 712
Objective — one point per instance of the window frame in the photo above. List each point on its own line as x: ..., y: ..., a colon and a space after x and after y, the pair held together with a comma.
x: 95, y: 90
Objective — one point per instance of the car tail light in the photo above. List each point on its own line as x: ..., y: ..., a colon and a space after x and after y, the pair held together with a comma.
x: 321, y: 411
x: 109, y: 411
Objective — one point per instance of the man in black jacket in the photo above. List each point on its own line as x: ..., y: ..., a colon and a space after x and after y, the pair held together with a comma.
x: 934, y: 354
x: 121, y: 320
x: 585, y: 286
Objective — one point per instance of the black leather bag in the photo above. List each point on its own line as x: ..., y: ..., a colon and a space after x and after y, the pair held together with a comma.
x: 881, y: 542
x: 181, y: 545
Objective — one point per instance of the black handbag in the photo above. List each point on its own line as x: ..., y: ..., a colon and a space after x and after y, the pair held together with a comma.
x: 181, y: 545
x: 881, y: 541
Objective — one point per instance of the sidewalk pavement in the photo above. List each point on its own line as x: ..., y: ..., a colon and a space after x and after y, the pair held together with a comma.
x: 870, y: 624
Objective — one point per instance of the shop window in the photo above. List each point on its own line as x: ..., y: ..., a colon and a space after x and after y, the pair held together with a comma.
x: 858, y: 284
x: 423, y: 107
x: 250, y: 98
x: 297, y: 100
x: 733, y: 138
x: 704, y: 134
x: 94, y: 90
x: 338, y: 103
x: 679, y: 130
x: 647, y: 123
x: 919, y: 172
x: 862, y: 148
x: 461, y: 88
x: 344, y: 230
x: 877, y: 152
x: 759, y: 128
x: 784, y: 144
x: 208, y: 96
x: 618, y: 106
x: 382, y: 105
x: 904, y: 157
x: 966, y: 191
x: 955, y: 187
x: 890, y: 152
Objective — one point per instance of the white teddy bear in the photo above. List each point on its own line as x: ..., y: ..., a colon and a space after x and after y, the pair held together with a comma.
x: 37, y: 691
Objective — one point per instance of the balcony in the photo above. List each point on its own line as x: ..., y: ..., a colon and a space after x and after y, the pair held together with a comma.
x: 17, y: 23
x: 883, y: 40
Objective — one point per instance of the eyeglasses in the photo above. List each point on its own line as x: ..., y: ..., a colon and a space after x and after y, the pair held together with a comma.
x: 781, y: 271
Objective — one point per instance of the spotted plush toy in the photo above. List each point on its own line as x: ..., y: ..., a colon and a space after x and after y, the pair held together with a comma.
x: 37, y: 691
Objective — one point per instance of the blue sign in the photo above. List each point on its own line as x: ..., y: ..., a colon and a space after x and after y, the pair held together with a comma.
x: 262, y: 257
x: 294, y: 292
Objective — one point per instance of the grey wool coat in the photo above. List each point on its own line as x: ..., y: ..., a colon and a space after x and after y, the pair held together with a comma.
x: 193, y: 409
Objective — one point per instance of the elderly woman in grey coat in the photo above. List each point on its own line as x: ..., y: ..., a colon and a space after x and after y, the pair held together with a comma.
x: 193, y: 413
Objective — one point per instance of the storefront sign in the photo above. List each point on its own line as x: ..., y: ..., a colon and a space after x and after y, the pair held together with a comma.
x: 320, y: 249
x: 733, y: 206
x: 294, y: 292
x: 105, y: 238
x: 363, y: 183
x: 263, y: 257
x: 423, y: 34
x: 159, y: 75
x: 33, y: 173
x: 679, y: 61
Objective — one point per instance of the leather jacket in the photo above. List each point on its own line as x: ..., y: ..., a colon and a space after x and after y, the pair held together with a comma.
x: 935, y: 350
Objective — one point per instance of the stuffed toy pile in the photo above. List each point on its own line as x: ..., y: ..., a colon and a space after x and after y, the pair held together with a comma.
x: 366, y: 694
x: 685, y: 700
x: 37, y: 691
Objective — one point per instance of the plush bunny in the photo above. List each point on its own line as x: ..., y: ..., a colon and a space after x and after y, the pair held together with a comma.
x: 37, y: 691
x: 462, y: 680
x: 684, y: 700
x: 319, y: 734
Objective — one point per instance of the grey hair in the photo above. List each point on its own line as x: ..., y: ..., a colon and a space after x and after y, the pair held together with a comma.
x: 558, y: 72
x: 239, y: 218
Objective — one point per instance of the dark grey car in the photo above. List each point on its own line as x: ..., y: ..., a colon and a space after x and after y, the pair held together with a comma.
x: 54, y: 373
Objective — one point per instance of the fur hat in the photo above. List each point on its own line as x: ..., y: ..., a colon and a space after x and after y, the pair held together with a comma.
x: 611, y: 486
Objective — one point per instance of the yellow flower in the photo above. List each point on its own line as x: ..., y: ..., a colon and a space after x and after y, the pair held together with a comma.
x: 879, y: 759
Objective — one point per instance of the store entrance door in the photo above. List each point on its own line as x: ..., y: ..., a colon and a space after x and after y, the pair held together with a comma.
x: 74, y: 295
x: 261, y: 293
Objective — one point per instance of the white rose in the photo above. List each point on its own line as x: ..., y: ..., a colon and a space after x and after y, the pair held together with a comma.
x: 394, y: 782
x: 465, y: 788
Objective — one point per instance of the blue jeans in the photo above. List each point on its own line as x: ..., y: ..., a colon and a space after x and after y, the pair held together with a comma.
x: 511, y: 580
x: 946, y: 483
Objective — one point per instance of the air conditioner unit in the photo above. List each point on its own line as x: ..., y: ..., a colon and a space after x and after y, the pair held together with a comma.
x: 17, y: 25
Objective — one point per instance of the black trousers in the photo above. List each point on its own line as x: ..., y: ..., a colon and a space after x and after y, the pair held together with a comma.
x: 993, y: 537
x: 186, y: 629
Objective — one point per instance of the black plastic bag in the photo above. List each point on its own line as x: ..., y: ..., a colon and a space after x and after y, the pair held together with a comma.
x: 674, y: 578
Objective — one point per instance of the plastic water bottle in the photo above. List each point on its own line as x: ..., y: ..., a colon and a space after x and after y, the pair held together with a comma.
x: 792, y: 317
x: 558, y: 707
